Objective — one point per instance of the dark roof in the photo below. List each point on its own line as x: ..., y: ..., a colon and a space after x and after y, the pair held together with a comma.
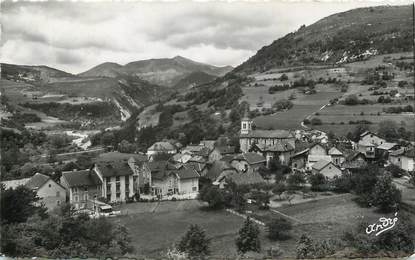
x: 217, y: 168
x: 37, y: 181
x: 246, y: 178
x: 268, y: 134
x: 410, y: 153
x: 196, y: 166
x: 320, y: 165
x: 187, y: 173
x: 301, y: 153
x: 161, y: 169
x: 203, y: 152
x: 251, y: 158
x: 352, y: 154
x: 278, y: 147
x: 227, y: 158
x: 117, y: 168
x: 82, y: 178
x: 226, y: 149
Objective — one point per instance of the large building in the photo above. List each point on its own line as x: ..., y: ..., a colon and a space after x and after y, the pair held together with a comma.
x: 265, y: 138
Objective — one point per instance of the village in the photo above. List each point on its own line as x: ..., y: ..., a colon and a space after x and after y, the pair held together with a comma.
x: 169, y: 171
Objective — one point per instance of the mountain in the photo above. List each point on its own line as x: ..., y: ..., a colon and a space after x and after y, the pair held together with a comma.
x: 194, y: 79
x: 339, y: 38
x: 41, y: 73
x: 164, y: 72
x: 127, y: 93
x: 107, y: 70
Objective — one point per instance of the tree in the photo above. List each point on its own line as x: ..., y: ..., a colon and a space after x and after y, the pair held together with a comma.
x: 279, y: 189
x: 295, y: 180
x: 278, y: 229
x: 213, y: 196
x: 283, y: 77
x: 261, y: 198
x: 17, y: 205
x: 248, y: 239
x: 282, y: 104
x: 385, y: 194
x: 305, y: 247
x: 126, y: 147
x: 317, y: 181
x: 388, y: 129
x: 316, y: 121
x: 351, y: 100
x: 194, y: 243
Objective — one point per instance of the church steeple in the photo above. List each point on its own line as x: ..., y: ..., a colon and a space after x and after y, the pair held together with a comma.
x: 246, y: 123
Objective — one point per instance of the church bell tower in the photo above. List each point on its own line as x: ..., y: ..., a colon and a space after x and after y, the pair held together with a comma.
x: 246, y: 124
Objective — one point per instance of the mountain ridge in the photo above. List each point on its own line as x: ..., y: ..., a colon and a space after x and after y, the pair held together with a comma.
x: 163, y: 71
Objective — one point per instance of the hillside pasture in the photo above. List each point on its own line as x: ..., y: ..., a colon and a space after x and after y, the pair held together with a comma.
x: 291, y: 119
x: 341, y: 113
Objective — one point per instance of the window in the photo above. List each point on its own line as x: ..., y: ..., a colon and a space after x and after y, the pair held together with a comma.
x: 76, y: 198
x: 86, y: 196
x: 117, y: 179
x: 194, y: 189
x: 108, y: 188
x: 117, y: 187
x: 109, y: 196
x: 108, y: 179
x: 58, y: 202
x: 118, y: 195
x: 50, y: 185
x: 75, y: 190
x: 86, y: 189
x: 244, y: 125
x: 58, y: 194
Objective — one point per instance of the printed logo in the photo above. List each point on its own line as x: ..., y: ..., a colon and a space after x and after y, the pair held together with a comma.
x: 383, y: 225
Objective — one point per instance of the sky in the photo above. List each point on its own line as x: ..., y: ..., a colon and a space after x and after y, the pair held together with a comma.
x: 75, y: 36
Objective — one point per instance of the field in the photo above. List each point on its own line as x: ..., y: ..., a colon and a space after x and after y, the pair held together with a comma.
x: 154, y: 228
x: 304, y: 106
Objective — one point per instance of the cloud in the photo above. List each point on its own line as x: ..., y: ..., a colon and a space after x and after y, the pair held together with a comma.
x: 75, y: 36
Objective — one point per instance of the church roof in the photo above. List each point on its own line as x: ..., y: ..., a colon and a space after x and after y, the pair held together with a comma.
x: 268, y: 134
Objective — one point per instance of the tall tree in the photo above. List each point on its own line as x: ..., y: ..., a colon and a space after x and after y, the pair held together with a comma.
x: 248, y: 239
x: 385, y: 194
x: 194, y: 243
x: 17, y: 205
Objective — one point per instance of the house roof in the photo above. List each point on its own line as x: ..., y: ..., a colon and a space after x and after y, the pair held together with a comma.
x: 205, y: 151
x: 352, y: 154
x: 196, y: 166
x: 161, y: 169
x: 301, y: 153
x: 335, y: 151
x: 82, y: 178
x: 397, y: 152
x: 278, y: 147
x: 162, y: 147
x: 387, y: 146
x: 316, y: 158
x: 187, y: 173
x: 366, y: 133
x: 251, y: 158
x: 217, y: 168
x: 117, y: 168
x: 410, y: 153
x: 179, y: 157
x: 37, y: 181
x: 246, y: 178
x: 210, y: 144
x: 320, y: 164
x: 197, y: 158
x: 226, y: 149
x: 281, y: 134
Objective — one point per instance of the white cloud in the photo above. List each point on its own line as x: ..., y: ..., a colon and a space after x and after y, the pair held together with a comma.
x: 75, y: 36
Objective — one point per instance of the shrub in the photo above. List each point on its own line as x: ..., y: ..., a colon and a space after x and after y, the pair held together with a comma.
x: 318, y: 182
x: 385, y: 195
x: 316, y: 121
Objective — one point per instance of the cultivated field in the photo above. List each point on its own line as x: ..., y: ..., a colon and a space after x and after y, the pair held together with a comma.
x: 154, y: 228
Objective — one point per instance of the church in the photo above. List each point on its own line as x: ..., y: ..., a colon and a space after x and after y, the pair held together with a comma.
x: 271, y: 143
